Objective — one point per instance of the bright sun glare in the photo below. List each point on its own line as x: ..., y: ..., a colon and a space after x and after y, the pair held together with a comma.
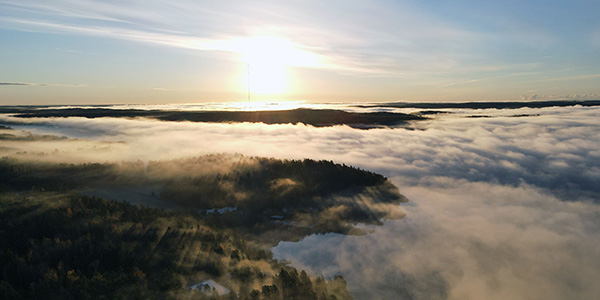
x: 267, y: 59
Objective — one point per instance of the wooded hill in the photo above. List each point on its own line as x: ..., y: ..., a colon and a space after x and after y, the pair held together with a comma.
x: 67, y: 246
x: 236, y: 191
x: 59, y: 242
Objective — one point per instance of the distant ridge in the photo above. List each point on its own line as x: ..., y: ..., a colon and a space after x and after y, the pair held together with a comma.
x: 489, y: 104
x: 314, y: 117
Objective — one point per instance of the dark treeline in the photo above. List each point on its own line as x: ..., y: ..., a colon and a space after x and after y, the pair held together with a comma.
x: 488, y: 105
x: 24, y: 175
x: 253, y: 189
x: 270, y: 183
x: 314, y: 117
x: 57, y: 246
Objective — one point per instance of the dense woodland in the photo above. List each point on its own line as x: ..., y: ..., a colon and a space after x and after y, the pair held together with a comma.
x: 61, y: 246
x: 319, y: 194
x: 59, y: 241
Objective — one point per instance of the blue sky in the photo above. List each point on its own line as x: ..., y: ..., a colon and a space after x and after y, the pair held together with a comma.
x: 67, y: 51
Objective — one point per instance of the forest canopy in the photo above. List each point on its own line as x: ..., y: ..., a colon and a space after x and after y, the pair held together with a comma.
x: 72, y: 231
x: 67, y: 246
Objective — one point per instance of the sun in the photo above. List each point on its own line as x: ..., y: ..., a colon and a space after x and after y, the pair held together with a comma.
x: 267, y: 60
x: 266, y: 78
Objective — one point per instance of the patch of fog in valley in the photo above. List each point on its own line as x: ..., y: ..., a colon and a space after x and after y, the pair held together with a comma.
x: 500, y: 207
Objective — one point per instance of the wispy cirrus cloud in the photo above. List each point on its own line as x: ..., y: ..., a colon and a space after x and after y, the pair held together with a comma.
x: 399, y: 42
x: 390, y: 49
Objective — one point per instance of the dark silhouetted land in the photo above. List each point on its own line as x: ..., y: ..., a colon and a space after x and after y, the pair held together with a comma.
x: 314, y: 117
x: 488, y: 105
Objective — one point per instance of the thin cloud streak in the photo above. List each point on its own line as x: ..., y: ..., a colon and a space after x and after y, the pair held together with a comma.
x: 15, y: 83
x: 232, y: 45
x: 40, y: 84
x: 403, y: 35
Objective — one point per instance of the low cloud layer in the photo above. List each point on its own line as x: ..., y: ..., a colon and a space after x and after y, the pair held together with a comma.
x: 552, y: 148
x: 467, y: 241
x: 504, y: 203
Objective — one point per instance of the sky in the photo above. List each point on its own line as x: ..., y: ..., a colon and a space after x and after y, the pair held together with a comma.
x: 102, y: 52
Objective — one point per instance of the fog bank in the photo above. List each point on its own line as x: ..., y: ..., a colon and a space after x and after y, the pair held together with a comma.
x: 467, y: 241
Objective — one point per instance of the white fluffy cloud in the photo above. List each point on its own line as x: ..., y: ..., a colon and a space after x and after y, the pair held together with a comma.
x: 467, y: 241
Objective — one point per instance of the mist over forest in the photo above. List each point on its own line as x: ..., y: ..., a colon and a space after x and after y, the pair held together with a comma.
x: 502, y: 203
x: 187, y: 228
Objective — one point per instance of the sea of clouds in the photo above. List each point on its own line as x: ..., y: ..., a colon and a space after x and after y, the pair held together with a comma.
x: 504, y: 204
